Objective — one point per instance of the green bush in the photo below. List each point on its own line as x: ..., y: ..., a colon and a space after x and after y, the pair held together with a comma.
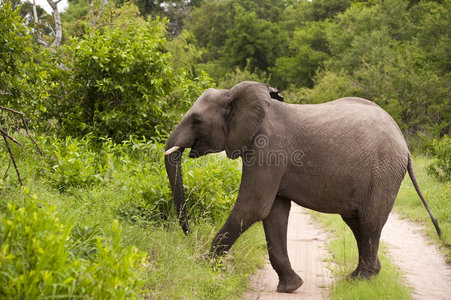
x: 115, y: 81
x: 441, y: 165
x: 72, y: 162
x: 40, y: 257
x: 14, y: 48
x: 136, y: 169
x: 121, y: 82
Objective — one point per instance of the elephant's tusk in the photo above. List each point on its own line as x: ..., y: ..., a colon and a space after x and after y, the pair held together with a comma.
x: 172, y: 150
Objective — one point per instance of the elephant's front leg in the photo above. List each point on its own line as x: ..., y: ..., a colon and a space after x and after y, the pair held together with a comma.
x: 276, y: 236
x: 258, y: 189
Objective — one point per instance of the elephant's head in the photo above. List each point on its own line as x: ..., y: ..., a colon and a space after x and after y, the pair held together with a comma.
x: 219, y: 120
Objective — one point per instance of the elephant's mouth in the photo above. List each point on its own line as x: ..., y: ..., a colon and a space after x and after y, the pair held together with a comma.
x: 200, y: 148
x: 194, y: 153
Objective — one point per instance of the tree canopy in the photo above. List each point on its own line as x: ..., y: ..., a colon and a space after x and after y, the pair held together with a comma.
x: 131, y: 68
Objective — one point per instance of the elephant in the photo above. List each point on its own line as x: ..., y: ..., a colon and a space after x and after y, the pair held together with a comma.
x: 345, y: 157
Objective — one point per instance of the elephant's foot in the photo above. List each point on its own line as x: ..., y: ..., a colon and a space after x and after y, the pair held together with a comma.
x: 366, y: 272
x: 290, y: 285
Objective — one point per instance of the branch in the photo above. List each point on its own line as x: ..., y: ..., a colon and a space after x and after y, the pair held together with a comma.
x: 58, y: 26
x: 24, y: 122
x: 105, y: 24
x: 94, y: 21
x: 11, y: 154
x: 38, y: 32
x: 12, y: 110
x: 91, y: 8
x: 6, y: 136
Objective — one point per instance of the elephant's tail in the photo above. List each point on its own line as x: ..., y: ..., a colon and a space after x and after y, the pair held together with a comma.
x: 417, y: 188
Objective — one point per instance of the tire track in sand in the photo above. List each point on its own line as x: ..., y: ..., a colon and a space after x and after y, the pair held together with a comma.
x: 307, y: 249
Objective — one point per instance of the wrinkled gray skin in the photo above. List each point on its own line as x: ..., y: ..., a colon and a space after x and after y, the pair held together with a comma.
x: 346, y: 157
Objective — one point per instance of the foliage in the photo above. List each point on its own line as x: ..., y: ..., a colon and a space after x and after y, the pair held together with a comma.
x: 308, y: 49
x: 123, y: 83
x: 38, y: 259
x: 380, y: 51
x: 136, y: 168
x: 14, y: 47
x: 120, y: 82
x: 237, y: 33
x: 252, y: 40
x: 441, y: 164
x: 72, y: 163
x: 185, y: 54
x: 238, y: 75
x: 131, y: 186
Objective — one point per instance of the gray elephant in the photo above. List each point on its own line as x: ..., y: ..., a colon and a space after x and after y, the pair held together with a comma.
x: 346, y: 156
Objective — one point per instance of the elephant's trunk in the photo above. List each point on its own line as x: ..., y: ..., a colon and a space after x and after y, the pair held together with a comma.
x: 175, y: 145
x: 173, y: 163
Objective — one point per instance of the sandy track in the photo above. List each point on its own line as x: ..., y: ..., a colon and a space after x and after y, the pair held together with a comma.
x: 423, y: 265
x: 307, y: 252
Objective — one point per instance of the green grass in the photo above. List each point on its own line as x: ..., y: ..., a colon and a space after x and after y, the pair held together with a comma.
x: 188, y: 275
x: 101, y: 254
x: 438, y: 197
x: 387, y: 285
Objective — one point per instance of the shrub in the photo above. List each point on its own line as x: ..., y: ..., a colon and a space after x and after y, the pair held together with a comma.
x: 72, y: 162
x: 441, y: 165
x: 136, y: 169
x: 40, y: 257
x: 121, y: 82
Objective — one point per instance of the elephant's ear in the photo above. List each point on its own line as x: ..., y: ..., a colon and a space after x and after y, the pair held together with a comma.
x: 274, y: 93
x: 249, y: 102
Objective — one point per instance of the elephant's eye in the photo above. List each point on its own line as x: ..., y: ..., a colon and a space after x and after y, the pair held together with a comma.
x: 197, y: 122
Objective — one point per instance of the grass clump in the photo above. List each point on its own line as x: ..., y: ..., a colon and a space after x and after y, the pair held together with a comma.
x: 42, y: 256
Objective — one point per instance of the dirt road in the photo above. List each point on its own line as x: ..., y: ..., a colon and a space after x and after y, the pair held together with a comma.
x: 423, y: 265
x: 307, y: 251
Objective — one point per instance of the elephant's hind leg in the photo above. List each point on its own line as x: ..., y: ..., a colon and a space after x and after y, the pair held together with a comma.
x: 367, y: 236
x: 275, y: 226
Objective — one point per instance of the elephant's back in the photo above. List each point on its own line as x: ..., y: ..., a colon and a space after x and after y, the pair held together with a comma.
x: 352, y: 131
x: 351, y: 114
x: 354, y: 100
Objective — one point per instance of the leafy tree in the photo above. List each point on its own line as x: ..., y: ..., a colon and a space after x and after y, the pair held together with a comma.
x: 379, y: 51
x: 238, y: 75
x: 253, y: 39
x: 308, y: 49
x: 300, y: 13
x: 433, y: 21
x: 120, y: 83
x: 235, y: 36
x: 14, y: 49
x: 184, y: 53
